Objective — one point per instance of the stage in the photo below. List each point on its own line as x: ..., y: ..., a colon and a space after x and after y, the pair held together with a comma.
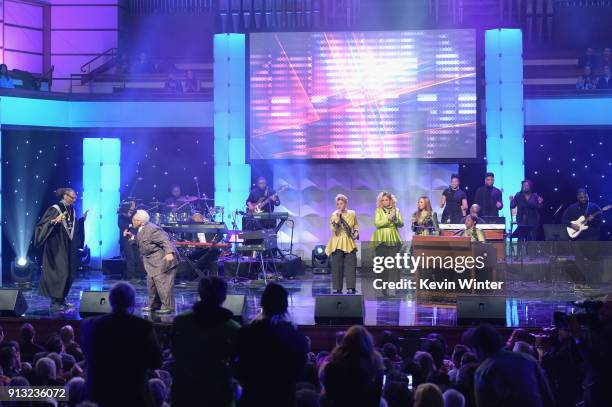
x: 528, y: 303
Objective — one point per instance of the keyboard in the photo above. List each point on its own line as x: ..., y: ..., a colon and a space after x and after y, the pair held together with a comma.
x: 269, y: 216
x: 179, y: 227
x: 200, y: 244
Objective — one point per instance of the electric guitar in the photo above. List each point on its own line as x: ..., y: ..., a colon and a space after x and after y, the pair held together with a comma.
x: 582, y: 222
x: 263, y: 201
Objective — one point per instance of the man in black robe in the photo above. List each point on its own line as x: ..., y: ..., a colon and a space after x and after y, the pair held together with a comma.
x: 60, y: 234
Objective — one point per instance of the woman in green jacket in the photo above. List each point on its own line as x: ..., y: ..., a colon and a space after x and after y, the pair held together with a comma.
x: 386, y: 239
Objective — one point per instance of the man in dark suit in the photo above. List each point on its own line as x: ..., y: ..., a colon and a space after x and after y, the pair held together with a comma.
x: 202, y: 342
x: 120, y: 349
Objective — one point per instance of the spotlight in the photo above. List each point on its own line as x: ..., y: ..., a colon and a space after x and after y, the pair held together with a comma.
x: 320, y: 261
x: 22, y: 272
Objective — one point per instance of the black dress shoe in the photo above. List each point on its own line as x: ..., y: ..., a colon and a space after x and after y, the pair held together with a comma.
x: 352, y: 291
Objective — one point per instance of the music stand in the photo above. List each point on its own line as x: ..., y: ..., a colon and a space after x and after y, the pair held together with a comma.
x: 554, y: 233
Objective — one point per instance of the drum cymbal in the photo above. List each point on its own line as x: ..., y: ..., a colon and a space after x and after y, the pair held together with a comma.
x: 185, y: 199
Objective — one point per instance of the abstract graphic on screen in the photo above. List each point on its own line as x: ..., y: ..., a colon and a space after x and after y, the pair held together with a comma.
x: 357, y: 95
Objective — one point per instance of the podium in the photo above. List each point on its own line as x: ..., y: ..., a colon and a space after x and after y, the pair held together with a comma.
x: 454, y: 246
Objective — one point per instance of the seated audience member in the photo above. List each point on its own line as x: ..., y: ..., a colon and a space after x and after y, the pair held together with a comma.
x: 9, y: 361
x: 586, y: 81
x: 428, y: 395
x: 142, y: 65
x: 45, y: 373
x: 55, y: 345
x: 354, y: 374
x: 453, y: 398
x: 465, y: 382
x: 605, y: 57
x: 159, y: 392
x: 191, y: 82
x: 425, y: 360
x: 588, y: 59
x: 71, y: 347
x: 76, y: 391
x: 270, y: 350
x: 413, y: 368
x: 5, y: 79
x: 27, y: 346
x: 506, y: 378
x: 605, y: 81
x: 201, y: 347
x: 120, y: 350
x: 458, y: 352
x: 173, y: 84
x: 307, y: 398
x: 524, y: 347
x: 397, y: 394
x: 390, y: 351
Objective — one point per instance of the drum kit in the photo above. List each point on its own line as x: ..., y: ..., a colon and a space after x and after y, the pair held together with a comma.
x: 180, y: 210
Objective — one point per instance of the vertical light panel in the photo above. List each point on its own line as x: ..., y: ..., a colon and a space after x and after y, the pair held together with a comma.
x: 232, y: 173
x: 101, y: 183
x: 504, y: 110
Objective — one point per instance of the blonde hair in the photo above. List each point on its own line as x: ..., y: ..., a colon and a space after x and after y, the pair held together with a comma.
x: 428, y: 207
x: 341, y: 197
x: 387, y: 194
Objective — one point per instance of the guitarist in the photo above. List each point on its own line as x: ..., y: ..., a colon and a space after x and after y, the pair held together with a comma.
x: 259, y: 193
x: 587, y: 209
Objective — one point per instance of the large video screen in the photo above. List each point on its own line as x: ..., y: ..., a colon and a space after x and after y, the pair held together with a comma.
x: 363, y: 95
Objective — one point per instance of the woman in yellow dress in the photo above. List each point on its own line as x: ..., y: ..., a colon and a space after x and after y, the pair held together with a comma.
x: 341, y: 247
x: 424, y: 220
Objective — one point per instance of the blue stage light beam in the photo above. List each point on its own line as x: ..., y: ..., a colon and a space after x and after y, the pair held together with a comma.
x: 504, y: 111
x: 232, y: 173
x: 101, y: 184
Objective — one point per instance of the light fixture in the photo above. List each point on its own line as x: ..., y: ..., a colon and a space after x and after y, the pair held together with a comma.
x: 320, y: 260
x: 22, y: 272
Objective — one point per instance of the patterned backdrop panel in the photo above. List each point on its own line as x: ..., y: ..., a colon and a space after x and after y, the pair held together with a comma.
x: 313, y: 186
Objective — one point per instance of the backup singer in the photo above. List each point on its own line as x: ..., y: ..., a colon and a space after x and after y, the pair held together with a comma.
x: 488, y: 197
x: 471, y: 231
x: 454, y: 201
x: 424, y: 220
x: 160, y: 262
x: 527, y: 204
x: 60, y: 234
x: 341, y: 246
x: 386, y: 239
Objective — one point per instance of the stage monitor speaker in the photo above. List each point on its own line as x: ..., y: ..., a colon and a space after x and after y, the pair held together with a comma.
x: 238, y: 305
x: 12, y: 303
x: 339, y: 309
x: 477, y: 309
x: 94, y: 303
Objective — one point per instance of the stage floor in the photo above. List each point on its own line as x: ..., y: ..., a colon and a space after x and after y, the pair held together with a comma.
x: 528, y: 304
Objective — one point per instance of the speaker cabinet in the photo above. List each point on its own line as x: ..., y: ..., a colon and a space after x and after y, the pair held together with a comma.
x: 12, y: 303
x: 477, y: 309
x: 94, y: 303
x: 339, y: 309
x: 238, y: 305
